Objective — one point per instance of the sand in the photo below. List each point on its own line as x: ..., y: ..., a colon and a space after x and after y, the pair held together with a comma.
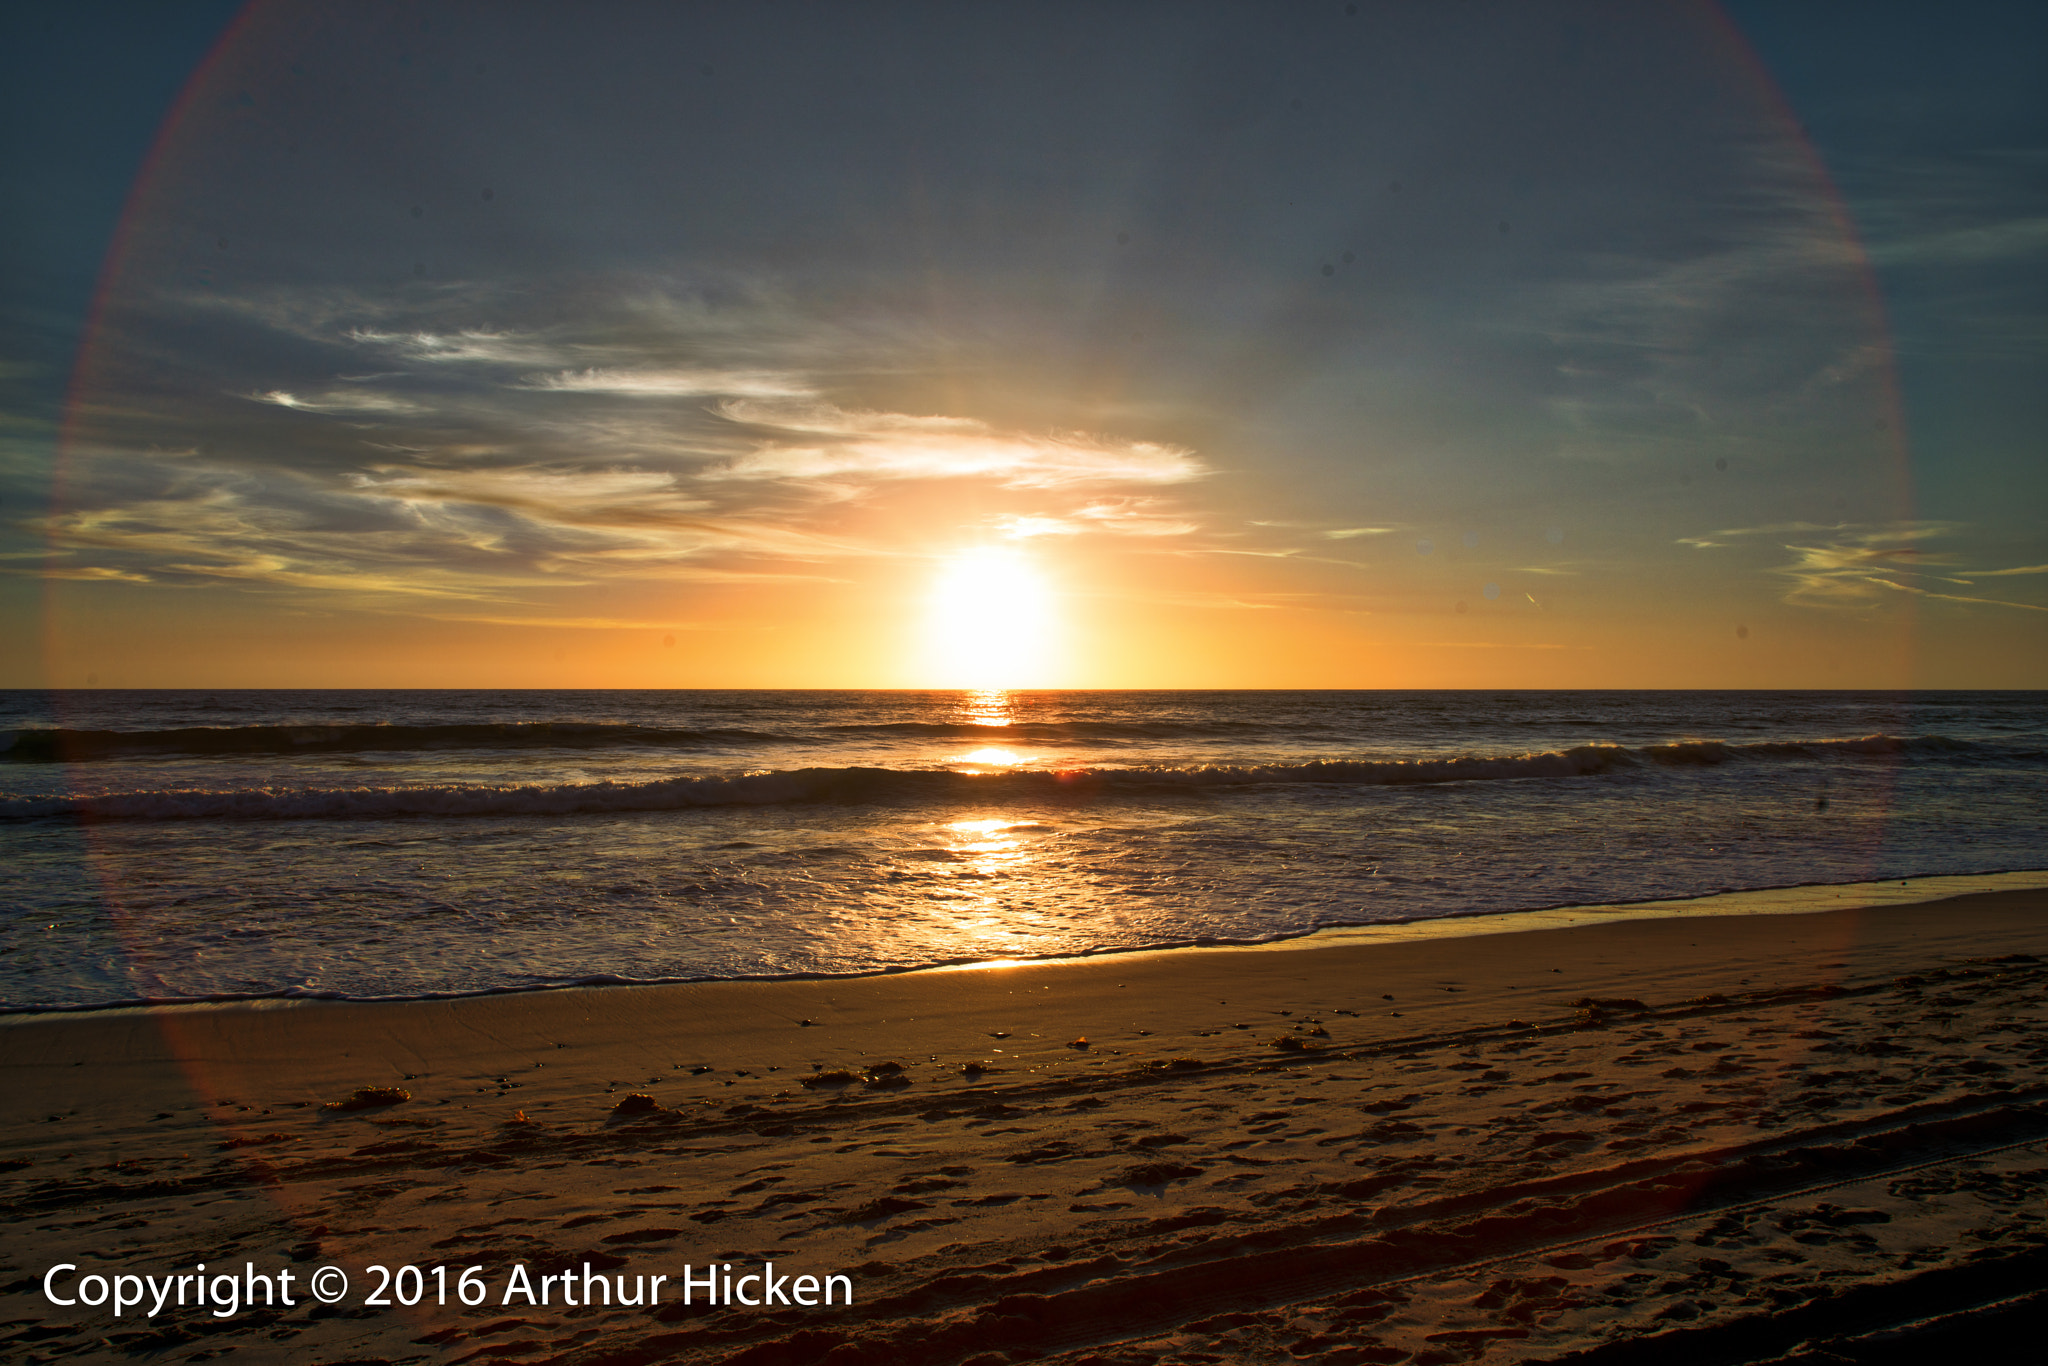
x: 1679, y: 1136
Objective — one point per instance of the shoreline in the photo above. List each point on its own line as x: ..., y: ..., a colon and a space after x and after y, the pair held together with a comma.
x: 1794, y: 899
x: 1627, y: 1135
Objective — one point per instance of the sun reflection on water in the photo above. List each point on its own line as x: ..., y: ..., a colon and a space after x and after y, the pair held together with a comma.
x: 986, y: 707
x: 997, y: 878
x: 995, y: 850
x: 988, y: 834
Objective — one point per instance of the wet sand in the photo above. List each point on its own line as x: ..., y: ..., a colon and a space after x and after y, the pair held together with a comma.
x: 1693, y: 1136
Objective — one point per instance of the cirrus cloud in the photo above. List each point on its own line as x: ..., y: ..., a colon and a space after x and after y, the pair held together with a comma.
x: 816, y: 441
x: 673, y: 383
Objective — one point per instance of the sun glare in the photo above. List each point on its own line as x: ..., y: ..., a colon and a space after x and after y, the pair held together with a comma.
x: 990, y: 623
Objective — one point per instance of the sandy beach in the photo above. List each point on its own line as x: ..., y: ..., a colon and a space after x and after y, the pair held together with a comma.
x: 1694, y: 1137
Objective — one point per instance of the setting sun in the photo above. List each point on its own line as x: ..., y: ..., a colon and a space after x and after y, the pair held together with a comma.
x: 990, y: 622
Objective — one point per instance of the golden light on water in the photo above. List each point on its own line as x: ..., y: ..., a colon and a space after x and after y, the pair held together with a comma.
x: 998, y: 758
x: 997, y: 859
x: 990, y: 622
x: 982, y: 828
x: 993, y: 847
x: 986, y: 707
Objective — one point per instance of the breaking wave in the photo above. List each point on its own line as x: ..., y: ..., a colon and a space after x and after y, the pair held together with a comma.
x: 84, y: 746
x: 61, y: 745
x: 934, y: 786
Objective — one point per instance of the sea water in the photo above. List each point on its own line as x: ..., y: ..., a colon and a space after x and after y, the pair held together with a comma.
x: 186, y: 845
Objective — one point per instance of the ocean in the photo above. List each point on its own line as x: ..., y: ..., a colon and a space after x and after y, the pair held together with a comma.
x: 182, y: 845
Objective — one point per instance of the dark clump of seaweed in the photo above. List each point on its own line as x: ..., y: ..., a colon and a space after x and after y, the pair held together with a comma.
x: 886, y: 1075
x: 837, y: 1077
x: 639, y: 1103
x: 1158, y: 1173
x: 371, y: 1097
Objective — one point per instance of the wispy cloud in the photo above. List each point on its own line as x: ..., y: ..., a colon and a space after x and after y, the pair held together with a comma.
x: 83, y: 573
x: 1898, y: 587
x: 1691, y: 343
x: 1862, y: 558
x: 1856, y: 566
x: 675, y: 383
x: 1860, y: 565
x: 476, y: 347
x: 2012, y: 240
x: 1024, y: 528
x: 807, y: 441
x: 340, y: 401
x: 600, y: 497
x: 1109, y: 519
x: 646, y: 430
x: 222, y: 526
x: 1861, y: 535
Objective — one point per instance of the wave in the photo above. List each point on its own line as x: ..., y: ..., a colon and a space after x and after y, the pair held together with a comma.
x: 84, y: 746
x: 1067, y: 730
x: 929, y: 786
x: 1720, y: 751
x: 61, y: 745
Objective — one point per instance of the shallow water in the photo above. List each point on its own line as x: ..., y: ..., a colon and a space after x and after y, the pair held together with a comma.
x: 187, y: 844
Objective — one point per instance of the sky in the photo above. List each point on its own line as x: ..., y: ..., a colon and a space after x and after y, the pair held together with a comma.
x: 1350, y: 345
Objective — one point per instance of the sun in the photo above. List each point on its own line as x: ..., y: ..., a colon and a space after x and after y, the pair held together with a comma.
x: 990, y: 621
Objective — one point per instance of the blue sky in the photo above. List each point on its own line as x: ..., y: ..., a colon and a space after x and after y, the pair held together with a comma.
x: 1332, y: 345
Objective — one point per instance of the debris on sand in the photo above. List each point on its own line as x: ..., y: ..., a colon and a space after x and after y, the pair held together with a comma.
x: 836, y: 1077
x: 370, y: 1097
x: 1158, y: 1173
